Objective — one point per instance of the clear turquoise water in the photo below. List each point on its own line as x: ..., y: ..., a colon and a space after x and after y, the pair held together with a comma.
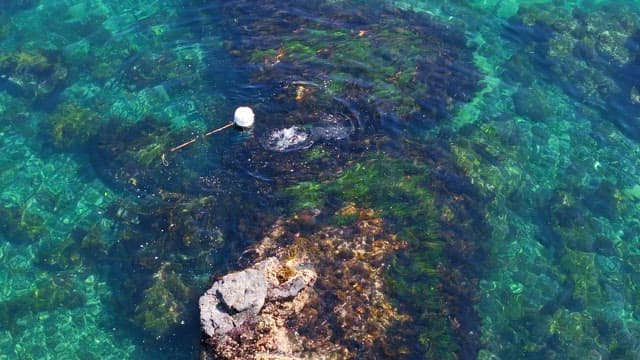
x: 104, y: 249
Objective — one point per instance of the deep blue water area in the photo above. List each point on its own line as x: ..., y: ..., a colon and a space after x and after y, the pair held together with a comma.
x: 498, y: 138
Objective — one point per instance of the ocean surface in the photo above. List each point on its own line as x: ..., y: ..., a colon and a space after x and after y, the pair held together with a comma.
x: 499, y: 139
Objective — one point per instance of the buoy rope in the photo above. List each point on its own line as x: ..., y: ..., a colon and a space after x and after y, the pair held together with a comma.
x: 176, y: 148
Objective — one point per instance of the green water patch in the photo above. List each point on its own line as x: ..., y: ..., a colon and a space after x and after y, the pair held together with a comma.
x: 51, y: 302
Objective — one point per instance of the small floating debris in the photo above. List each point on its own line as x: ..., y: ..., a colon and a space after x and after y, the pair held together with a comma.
x: 243, y: 118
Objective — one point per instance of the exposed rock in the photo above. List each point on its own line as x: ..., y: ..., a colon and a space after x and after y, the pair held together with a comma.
x: 244, y: 290
x: 288, y: 290
x: 307, y: 296
x: 230, y: 307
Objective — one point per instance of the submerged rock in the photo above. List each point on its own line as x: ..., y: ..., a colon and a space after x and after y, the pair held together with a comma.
x: 591, y: 54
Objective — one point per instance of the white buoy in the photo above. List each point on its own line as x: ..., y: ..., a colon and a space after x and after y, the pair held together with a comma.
x: 243, y: 117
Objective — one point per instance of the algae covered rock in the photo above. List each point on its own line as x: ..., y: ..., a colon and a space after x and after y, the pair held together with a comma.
x: 163, y: 302
x: 72, y: 126
x: 324, y: 295
x: 35, y: 74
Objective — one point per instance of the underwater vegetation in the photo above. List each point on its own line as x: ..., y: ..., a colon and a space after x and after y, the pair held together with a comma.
x: 33, y: 74
x: 137, y: 157
x: 431, y: 206
x: 389, y: 67
x: 384, y: 71
x: 559, y: 184
x: 561, y: 246
x: 516, y: 228
x: 340, y: 87
x: 593, y: 55
x: 170, y: 243
x: 171, y: 240
x: 162, y: 304
x: 61, y: 250
x: 21, y: 225
x: 351, y: 86
x: 131, y: 155
x: 72, y: 126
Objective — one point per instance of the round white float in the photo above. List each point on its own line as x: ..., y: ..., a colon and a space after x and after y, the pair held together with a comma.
x: 243, y: 117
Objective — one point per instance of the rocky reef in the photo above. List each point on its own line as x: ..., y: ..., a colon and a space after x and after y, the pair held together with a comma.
x: 593, y: 55
x: 308, y: 292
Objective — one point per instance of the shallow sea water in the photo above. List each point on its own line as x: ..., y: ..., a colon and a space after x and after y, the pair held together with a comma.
x: 499, y: 138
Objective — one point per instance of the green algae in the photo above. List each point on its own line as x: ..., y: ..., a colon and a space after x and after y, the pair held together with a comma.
x: 33, y: 74
x: 555, y: 210
x: 405, y: 64
x: 375, y: 183
x: 73, y: 126
x: 160, y: 309
x: 399, y: 191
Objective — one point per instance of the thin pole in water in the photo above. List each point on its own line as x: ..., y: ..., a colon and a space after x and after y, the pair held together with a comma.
x: 243, y: 117
x: 176, y: 148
